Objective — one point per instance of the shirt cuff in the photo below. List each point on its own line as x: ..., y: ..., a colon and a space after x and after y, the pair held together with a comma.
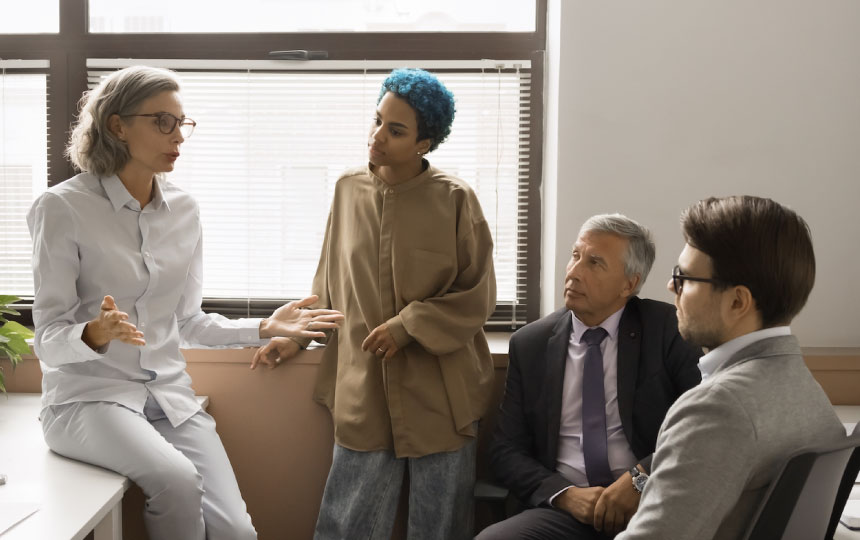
x: 398, y: 332
x: 249, y: 332
x: 559, y: 493
x: 82, y: 351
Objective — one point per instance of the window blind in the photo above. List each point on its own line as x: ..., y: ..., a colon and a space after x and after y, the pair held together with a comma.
x: 23, y: 166
x: 271, y: 142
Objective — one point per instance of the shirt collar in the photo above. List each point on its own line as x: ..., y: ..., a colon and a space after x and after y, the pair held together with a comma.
x: 711, y: 362
x: 428, y: 172
x: 120, y: 197
x: 158, y: 199
x: 610, y: 324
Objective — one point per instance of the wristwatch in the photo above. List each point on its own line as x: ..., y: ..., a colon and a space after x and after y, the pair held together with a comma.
x: 639, y: 479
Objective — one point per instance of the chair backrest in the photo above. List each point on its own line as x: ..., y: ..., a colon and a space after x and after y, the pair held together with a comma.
x: 848, y: 480
x: 800, y: 503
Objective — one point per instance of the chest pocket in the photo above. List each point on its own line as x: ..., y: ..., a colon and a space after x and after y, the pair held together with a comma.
x: 428, y: 274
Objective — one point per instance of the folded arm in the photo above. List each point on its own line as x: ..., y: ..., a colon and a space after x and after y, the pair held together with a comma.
x: 443, y: 324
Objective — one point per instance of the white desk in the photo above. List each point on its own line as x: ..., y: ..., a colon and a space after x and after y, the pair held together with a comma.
x: 74, y: 498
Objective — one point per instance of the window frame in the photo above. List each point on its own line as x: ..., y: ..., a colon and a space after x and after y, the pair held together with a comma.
x: 68, y: 51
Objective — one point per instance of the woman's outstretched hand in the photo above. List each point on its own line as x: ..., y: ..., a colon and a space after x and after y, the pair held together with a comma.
x: 291, y: 320
x: 109, y: 325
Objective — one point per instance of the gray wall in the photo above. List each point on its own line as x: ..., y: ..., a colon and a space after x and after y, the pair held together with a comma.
x: 654, y: 105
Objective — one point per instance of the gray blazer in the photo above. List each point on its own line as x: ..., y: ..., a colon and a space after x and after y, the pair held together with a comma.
x: 723, y: 442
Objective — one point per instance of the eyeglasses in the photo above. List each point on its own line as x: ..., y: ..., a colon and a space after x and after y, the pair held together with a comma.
x: 167, y: 123
x: 678, y: 279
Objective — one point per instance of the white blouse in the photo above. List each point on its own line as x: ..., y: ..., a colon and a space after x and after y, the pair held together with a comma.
x: 91, y: 239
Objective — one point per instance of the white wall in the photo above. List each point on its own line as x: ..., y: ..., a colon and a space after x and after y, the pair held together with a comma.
x: 654, y: 105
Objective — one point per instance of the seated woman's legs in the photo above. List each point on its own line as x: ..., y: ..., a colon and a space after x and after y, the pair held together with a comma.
x: 224, y: 510
x: 147, y: 450
x: 117, y: 438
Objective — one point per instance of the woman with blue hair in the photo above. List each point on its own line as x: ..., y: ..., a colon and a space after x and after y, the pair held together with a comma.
x: 408, y: 259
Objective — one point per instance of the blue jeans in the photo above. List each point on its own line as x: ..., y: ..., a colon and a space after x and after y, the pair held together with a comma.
x: 363, y: 488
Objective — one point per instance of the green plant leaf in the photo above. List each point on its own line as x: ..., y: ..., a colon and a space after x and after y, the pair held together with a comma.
x: 7, y: 299
x: 8, y: 311
x: 3, y: 339
x: 14, y: 357
x: 12, y: 328
x: 18, y: 345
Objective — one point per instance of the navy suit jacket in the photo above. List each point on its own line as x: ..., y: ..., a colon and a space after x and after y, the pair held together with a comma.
x: 655, y: 366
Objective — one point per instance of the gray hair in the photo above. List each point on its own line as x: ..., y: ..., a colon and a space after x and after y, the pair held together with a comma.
x: 92, y: 146
x: 640, y: 244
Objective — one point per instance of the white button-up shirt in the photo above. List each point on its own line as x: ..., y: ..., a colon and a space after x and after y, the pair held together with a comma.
x: 91, y: 239
x: 571, y: 459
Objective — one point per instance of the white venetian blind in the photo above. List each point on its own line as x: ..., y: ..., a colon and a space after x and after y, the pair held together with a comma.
x: 23, y: 166
x: 271, y: 142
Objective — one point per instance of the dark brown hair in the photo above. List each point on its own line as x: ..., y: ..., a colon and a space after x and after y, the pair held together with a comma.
x: 757, y: 243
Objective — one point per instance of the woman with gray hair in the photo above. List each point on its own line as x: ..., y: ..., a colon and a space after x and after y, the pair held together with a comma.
x: 117, y: 264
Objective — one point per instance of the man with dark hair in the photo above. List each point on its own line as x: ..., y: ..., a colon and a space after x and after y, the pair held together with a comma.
x: 580, y: 415
x: 746, y: 271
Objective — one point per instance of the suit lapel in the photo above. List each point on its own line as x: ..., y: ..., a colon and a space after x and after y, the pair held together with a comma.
x: 556, y: 358
x: 629, y: 344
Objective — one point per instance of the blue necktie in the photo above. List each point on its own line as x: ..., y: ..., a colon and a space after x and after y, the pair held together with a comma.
x: 594, y: 411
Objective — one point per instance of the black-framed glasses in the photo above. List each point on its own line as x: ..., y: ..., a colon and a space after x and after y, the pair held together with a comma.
x: 167, y: 123
x: 678, y: 280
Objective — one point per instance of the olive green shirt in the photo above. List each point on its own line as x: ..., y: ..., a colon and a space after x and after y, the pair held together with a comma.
x: 419, y: 257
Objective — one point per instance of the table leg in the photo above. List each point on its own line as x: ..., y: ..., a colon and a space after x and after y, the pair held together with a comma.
x: 110, y: 527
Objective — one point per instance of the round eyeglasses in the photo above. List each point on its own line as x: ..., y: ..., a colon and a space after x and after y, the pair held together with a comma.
x: 167, y: 123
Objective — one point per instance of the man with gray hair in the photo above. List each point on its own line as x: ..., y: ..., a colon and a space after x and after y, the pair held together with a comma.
x: 587, y: 389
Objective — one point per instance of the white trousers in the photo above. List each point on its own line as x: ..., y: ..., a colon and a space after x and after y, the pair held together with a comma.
x: 191, y: 491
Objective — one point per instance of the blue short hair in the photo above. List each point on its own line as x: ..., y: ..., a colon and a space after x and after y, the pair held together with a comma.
x: 433, y: 103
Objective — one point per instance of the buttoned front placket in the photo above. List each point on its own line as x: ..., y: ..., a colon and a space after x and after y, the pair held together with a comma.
x: 386, y: 277
x: 391, y: 369
x: 144, y: 218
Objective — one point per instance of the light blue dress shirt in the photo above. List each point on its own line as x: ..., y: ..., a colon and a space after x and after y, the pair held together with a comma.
x: 91, y: 239
x: 571, y: 458
x: 711, y: 362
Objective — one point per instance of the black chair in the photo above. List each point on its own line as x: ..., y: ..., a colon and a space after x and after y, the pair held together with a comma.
x: 848, y: 480
x: 807, y: 494
x: 494, y: 496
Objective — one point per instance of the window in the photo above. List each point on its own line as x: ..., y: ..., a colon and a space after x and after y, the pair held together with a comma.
x: 31, y: 17
x: 23, y: 166
x: 255, y: 152
x: 109, y: 16
x: 270, y: 145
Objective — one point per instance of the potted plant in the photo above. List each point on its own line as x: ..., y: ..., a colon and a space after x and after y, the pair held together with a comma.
x: 13, y: 336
